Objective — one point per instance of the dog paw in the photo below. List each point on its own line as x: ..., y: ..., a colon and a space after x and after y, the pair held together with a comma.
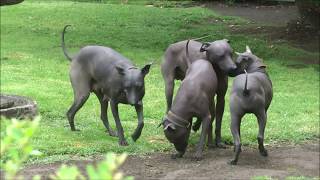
x: 175, y: 156
x: 123, y: 143
x: 221, y: 145
x: 233, y: 162
x: 134, y: 138
x: 198, y: 156
x: 211, y: 145
x: 264, y: 152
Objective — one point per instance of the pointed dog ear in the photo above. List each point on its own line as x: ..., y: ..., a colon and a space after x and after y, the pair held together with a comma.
x: 248, y: 50
x: 120, y: 70
x: 170, y: 126
x: 238, y: 54
x: 145, y: 69
x: 227, y: 40
x: 204, y: 47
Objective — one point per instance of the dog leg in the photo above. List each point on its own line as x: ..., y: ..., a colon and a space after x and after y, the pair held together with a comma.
x: 169, y: 87
x: 210, y: 143
x: 196, y: 125
x: 262, y: 120
x: 137, y: 132
x: 206, y: 121
x: 114, y: 109
x: 235, y: 130
x: 79, y: 100
x: 104, y: 113
x: 219, y: 113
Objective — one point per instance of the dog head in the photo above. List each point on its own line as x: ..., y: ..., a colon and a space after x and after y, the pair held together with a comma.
x: 248, y: 61
x: 177, y: 135
x: 133, y: 82
x: 220, y: 53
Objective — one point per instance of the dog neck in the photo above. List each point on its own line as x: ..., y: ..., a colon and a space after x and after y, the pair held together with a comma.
x: 261, y: 69
x: 177, y: 120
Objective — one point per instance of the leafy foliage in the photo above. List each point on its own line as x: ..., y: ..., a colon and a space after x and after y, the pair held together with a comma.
x: 106, y: 169
x: 16, y: 146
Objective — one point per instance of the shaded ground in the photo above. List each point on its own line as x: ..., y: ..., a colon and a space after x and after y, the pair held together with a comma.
x: 299, y: 160
x: 276, y: 23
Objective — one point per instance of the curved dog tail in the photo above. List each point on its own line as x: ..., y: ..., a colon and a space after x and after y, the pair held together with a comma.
x: 187, y: 48
x: 246, y: 90
x: 187, y: 53
x: 63, y: 44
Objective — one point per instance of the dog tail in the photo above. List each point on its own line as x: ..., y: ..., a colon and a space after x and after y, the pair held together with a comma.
x: 187, y: 53
x: 63, y: 44
x: 246, y: 90
x: 187, y: 48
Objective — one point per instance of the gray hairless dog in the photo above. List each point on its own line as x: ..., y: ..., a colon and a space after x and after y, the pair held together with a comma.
x: 195, y: 98
x: 175, y: 65
x: 251, y: 93
x: 112, y: 77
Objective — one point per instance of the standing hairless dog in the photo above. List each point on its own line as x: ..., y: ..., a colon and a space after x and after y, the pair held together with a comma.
x: 195, y: 98
x: 175, y: 65
x: 251, y: 93
x: 112, y: 77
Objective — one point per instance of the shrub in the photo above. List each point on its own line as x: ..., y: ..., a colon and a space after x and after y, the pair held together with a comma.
x: 16, y: 148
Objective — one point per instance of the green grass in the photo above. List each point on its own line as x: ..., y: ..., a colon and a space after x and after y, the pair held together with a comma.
x: 32, y: 64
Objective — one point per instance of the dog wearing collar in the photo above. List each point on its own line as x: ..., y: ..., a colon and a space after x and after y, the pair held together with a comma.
x: 194, y: 98
x: 251, y: 93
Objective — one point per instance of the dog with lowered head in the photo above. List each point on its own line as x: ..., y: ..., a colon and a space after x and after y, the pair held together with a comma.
x: 195, y: 98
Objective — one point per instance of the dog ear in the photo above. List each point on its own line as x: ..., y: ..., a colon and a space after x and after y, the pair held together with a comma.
x: 145, y: 69
x: 120, y: 70
x: 170, y: 126
x: 248, y: 50
x: 204, y: 47
x: 238, y: 54
x: 227, y: 40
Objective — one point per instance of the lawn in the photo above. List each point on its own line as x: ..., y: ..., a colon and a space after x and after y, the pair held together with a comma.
x: 32, y: 64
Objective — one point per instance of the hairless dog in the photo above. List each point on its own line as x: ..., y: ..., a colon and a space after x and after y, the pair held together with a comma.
x: 112, y: 77
x: 251, y: 93
x: 175, y: 64
x: 195, y: 98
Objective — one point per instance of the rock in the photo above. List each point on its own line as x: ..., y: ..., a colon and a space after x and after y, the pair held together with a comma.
x: 19, y: 107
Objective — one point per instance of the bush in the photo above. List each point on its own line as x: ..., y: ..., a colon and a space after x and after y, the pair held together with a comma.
x: 16, y: 148
x: 15, y: 145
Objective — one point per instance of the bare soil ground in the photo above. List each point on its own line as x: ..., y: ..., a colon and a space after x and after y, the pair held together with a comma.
x: 276, y: 23
x: 284, y: 161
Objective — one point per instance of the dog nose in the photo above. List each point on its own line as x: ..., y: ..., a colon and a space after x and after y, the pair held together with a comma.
x: 233, y: 71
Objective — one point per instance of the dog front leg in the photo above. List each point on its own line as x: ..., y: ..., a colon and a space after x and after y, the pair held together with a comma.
x: 139, y: 110
x: 219, y: 114
x: 114, y: 109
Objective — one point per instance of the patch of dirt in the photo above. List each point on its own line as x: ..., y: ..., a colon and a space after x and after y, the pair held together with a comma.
x: 299, y: 160
x: 276, y: 23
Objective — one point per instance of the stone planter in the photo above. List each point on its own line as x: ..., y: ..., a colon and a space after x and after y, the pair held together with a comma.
x: 12, y: 106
